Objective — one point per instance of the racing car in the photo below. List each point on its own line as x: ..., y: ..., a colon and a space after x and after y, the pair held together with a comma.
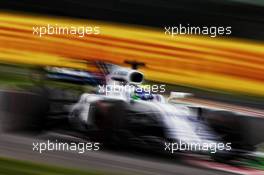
x: 122, y: 112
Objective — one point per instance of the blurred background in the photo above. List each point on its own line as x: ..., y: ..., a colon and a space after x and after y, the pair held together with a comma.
x: 224, y: 73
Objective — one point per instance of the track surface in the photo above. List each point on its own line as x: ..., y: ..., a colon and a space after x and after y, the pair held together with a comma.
x: 20, y: 147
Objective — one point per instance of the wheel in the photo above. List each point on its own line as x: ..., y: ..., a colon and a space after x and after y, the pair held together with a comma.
x: 108, y: 117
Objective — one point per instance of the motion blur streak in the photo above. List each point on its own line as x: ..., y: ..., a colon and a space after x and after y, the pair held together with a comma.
x: 24, y: 57
x: 216, y: 63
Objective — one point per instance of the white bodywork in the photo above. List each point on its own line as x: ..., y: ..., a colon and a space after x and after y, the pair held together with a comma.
x: 175, y: 116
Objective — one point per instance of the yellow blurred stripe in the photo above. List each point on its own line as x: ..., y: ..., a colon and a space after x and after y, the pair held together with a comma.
x: 217, y: 63
x: 214, y: 81
x: 23, y: 57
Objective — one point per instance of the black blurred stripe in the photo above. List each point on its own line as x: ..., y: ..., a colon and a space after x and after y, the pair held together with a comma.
x: 246, y: 20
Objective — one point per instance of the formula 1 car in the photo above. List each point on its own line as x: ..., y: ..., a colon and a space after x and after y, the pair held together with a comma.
x: 123, y: 112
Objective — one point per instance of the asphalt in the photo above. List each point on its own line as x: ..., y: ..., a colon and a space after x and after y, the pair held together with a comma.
x: 20, y: 147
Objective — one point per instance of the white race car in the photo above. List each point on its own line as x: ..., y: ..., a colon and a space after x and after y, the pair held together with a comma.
x: 123, y: 112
